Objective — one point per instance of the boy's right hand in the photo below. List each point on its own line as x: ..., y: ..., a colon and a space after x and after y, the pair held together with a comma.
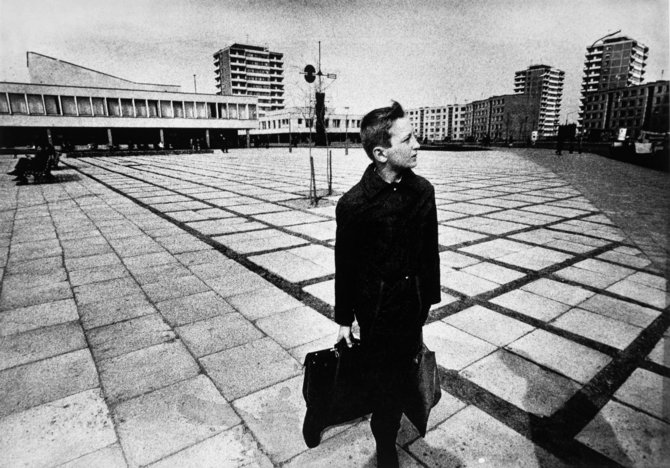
x: 344, y: 333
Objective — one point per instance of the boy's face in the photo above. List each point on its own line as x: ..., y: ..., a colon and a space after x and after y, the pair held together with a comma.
x: 404, y: 146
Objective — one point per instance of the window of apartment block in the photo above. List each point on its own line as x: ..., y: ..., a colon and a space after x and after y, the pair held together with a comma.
x: 211, y: 110
x: 69, y: 106
x: 232, y: 111
x: 253, y: 113
x: 200, y: 110
x: 223, y: 110
x: 178, y: 109
x: 127, y: 108
x: 84, y: 105
x: 153, y: 108
x: 98, y: 106
x: 299, y: 121
x: 4, y: 104
x: 189, y: 110
x: 52, y: 105
x: 18, y: 103
x: 166, y: 109
x: 113, y: 107
x: 308, y: 123
x: 243, y: 111
x: 141, y: 107
x: 35, y: 104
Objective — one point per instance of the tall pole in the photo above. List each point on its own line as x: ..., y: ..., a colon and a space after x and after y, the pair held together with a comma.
x: 346, y: 131
x: 290, y: 149
x: 195, y: 85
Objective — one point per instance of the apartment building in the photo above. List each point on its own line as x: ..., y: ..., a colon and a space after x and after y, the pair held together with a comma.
x: 438, y: 123
x: 250, y: 70
x: 543, y: 87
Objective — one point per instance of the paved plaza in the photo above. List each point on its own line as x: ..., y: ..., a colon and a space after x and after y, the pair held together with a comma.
x: 156, y: 311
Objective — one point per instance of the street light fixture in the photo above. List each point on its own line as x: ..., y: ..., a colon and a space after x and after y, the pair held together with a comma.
x: 346, y: 131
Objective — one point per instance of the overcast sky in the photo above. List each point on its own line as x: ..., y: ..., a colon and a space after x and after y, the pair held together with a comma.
x: 418, y: 52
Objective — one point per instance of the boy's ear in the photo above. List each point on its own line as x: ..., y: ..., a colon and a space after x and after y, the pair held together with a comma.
x: 379, y: 154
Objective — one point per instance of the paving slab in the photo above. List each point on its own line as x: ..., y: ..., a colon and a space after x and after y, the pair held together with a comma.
x: 41, y: 343
x: 37, y: 316
x: 39, y: 382
x: 521, y: 382
x: 259, y: 241
x: 627, y: 436
x: 646, y: 391
x: 532, y: 305
x: 564, y: 356
x: 598, y: 328
x: 172, y: 288
x: 618, y: 309
x: 453, y: 348
x: 473, y: 438
x: 488, y: 325
x: 296, y: 327
x: 641, y: 293
x: 130, y: 335
x: 160, y: 423
x: 250, y: 367
x: 446, y: 407
x: 43, y: 293
x: 194, y: 307
x: 148, y: 369
x: 263, y: 302
x: 557, y: 291
x: 112, y: 310
x: 56, y: 432
x: 218, y: 333
x: 108, y: 457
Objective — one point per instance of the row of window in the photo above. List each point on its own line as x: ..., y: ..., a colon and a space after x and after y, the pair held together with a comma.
x: 279, y: 123
x: 87, y: 106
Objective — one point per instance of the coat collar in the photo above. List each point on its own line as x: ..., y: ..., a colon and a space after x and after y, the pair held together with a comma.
x: 373, y: 184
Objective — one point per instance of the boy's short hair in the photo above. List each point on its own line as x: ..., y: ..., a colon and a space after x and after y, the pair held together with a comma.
x: 375, y: 127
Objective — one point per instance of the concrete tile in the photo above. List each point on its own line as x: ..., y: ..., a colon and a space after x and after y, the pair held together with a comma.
x: 464, y: 283
x: 238, y: 283
x: 148, y: 369
x: 620, y: 310
x: 274, y: 416
x: 148, y: 260
x: 451, y: 236
x: 535, y: 259
x: 447, y: 407
x: 653, y: 281
x: 324, y: 290
x: 258, y: 241
x: 353, y: 447
x: 263, y: 302
x: 225, y: 226
x: 326, y: 341
x: 453, y: 348
x: 495, y: 249
x: 29, y: 280
x: 123, y: 337
x: 108, y: 289
x: 31, y: 250
x: 494, y: 273
x: 218, y: 333
x: 56, y: 432
x: 82, y: 263
x: 298, y: 264
x: 598, y: 328
x: 174, y: 288
x: 557, y: 291
x: 635, y: 261
x: 37, y: 316
x: 25, y: 297
x: 165, y: 421
x: 521, y: 382
x: 37, y: 266
x: 488, y: 325
x: 156, y: 273
x: 97, y: 274
x: 646, y: 391
x: 245, y: 369
x: 41, y: 343
x: 455, y: 260
x: 629, y: 437
x: 321, y: 231
x: 661, y: 353
x: 220, y: 267
x: 639, y: 292
x: 33, y: 384
x: 531, y: 305
x: 288, y: 218
x: 473, y: 438
x: 108, y: 457
x: 187, y: 309
x: 231, y: 448
x: 559, y: 354
x: 198, y: 257
x: 112, y: 310
x: 589, y: 278
x: 297, y: 326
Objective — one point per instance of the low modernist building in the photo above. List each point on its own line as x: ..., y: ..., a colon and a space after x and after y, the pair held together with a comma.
x: 502, y: 118
x: 296, y: 124
x: 635, y: 108
x: 75, y: 105
x: 439, y: 123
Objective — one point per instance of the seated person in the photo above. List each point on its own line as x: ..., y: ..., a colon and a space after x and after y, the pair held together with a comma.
x: 38, y: 163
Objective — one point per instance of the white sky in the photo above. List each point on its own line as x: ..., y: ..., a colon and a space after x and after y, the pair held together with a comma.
x: 418, y: 52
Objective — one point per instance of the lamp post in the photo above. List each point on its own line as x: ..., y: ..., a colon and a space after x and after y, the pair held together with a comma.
x: 346, y: 131
x: 290, y: 146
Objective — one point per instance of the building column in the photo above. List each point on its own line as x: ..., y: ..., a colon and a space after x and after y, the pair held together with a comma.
x: 49, y: 137
x: 161, y: 133
x: 207, y: 138
x: 110, y: 140
x: 248, y: 138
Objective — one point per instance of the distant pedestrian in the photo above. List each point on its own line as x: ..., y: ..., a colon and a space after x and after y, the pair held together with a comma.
x: 387, y: 269
x: 559, y: 143
x: 224, y: 144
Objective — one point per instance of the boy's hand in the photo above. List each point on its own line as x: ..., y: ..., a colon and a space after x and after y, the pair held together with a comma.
x: 344, y: 333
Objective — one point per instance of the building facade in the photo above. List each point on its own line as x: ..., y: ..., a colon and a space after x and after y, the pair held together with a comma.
x: 508, y: 117
x: 543, y: 86
x: 121, y: 113
x: 612, y: 63
x: 297, y: 124
x: 249, y: 70
x: 439, y: 123
x: 635, y: 108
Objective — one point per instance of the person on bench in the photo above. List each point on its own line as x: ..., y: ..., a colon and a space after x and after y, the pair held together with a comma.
x: 37, y: 164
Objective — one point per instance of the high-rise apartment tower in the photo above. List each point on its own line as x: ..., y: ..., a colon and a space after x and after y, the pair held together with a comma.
x: 248, y: 70
x: 543, y: 87
x: 613, y: 63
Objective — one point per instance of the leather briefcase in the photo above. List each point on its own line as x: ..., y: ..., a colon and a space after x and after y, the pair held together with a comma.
x: 423, y: 389
x: 334, y: 389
